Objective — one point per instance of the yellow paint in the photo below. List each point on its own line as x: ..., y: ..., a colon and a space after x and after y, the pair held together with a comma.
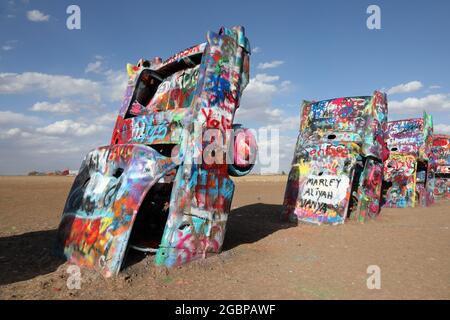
x: 105, y: 223
x: 303, y: 168
x: 332, y: 213
x: 130, y: 69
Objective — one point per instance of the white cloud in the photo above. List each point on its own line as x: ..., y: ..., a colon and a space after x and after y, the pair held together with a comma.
x: 57, y: 107
x: 285, y: 85
x: 257, y: 107
x: 260, y: 88
x: 429, y: 103
x: 115, y: 84
x: 115, y: 81
x: 262, y: 77
x: 111, y: 88
x: 434, y: 87
x: 54, y: 85
x: 59, y: 145
x: 284, y: 123
x: 37, y: 16
x: 9, y: 45
x: 70, y: 127
x: 10, y: 117
x: 256, y: 50
x: 14, y: 133
x: 63, y: 150
x: 270, y: 65
x: 441, y: 129
x: 108, y: 119
x: 275, y: 112
x: 405, y: 87
x: 94, y: 67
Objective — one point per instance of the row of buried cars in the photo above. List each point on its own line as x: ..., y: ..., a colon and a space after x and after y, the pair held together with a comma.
x: 349, y: 161
x: 154, y: 188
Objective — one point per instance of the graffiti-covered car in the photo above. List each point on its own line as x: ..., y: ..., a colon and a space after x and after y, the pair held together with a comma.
x: 337, y: 168
x: 163, y: 184
x: 440, y: 161
x: 408, y: 175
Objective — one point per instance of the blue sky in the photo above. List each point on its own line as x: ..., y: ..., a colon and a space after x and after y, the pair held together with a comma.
x: 60, y: 89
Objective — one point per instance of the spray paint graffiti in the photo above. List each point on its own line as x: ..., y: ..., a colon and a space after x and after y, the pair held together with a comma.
x: 146, y: 190
x: 440, y: 161
x: 337, y: 167
x: 408, y: 174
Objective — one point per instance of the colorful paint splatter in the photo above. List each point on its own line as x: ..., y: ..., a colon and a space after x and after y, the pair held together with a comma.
x: 408, y: 174
x: 337, y: 167
x: 145, y: 190
x: 440, y: 161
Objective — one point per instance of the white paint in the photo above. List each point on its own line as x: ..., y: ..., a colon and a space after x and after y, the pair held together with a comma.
x: 97, y: 185
x: 329, y: 189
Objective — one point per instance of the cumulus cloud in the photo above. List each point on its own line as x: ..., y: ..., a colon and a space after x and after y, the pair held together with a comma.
x: 257, y: 99
x: 441, y: 129
x: 111, y: 88
x: 257, y: 96
x: 62, y: 150
x: 55, y: 86
x: 11, y: 118
x: 94, y: 67
x: 405, y: 87
x: 37, y: 16
x: 58, y: 107
x: 34, y: 143
x: 429, y: 103
x: 62, y: 144
x: 14, y: 133
x: 108, y: 119
x: 270, y: 65
x: 262, y: 84
x: 66, y: 107
x: 260, y: 91
x: 115, y: 84
x: 29, y: 150
x: 284, y: 123
x: 71, y: 127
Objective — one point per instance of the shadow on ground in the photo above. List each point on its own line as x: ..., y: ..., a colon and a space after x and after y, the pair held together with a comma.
x: 27, y: 255
x: 245, y: 224
x: 252, y: 223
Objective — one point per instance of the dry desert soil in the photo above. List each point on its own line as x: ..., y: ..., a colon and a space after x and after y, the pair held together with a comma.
x: 262, y: 258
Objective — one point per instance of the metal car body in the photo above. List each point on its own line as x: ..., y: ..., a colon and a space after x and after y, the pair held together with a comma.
x: 408, y: 174
x: 440, y: 160
x: 155, y: 188
x: 337, y: 168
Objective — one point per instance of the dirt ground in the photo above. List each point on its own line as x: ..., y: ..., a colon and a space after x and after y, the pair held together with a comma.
x: 262, y: 258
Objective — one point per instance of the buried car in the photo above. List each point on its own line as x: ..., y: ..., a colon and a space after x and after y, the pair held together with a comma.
x: 440, y: 160
x: 338, y: 161
x: 163, y: 185
x: 408, y: 175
